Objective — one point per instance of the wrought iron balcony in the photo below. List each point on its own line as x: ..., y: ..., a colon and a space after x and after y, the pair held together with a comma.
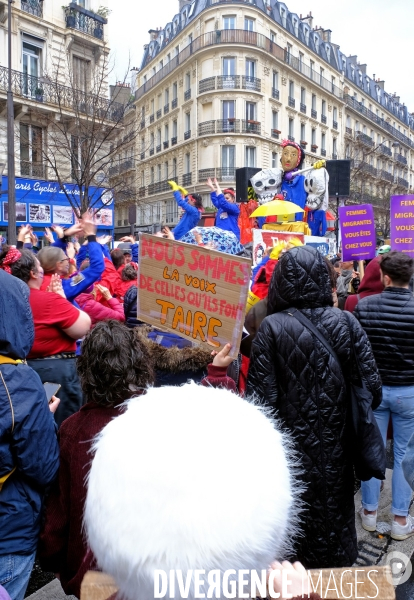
x: 207, y: 128
x: 364, y: 139
x: 384, y: 150
x: 275, y: 133
x: 323, y: 119
x: 224, y: 173
x: 323, y: 152
x: 127, y: 165
x: 151, y: 152
x: 335, y: 124
x: 166, y: 109
x: 275, y: 94
x: 174, y: 141
x: 159, y: 113
x: 174, y: 103
x: 251, y: 83
x: 32, y: 169
x: 228, y: 126
x: 401, y: 182
x: 142, y: 155
x: 206, y: 85
x: 334, y: 157
x: 314, y: 114
x: 142, y: 124
x: 158, y: 148
x: 383, y: 174
x: 291, y: 102
x: 39, y: 89
x: 187, y: 94
x: 84, y: 20
x: 152, y: 118
x: 204, y: 174
x: 187, y: 134
x: 348, y: 131
x: 291, y: 138
x: 362, y: 165
x: 33, y: 7
x: 303, y: 108
x: 228, y: 82
x: 187, y: 178
x: 251, y: 127
x: 400, y: 158
x: 141, y: 191
x: 166, y: 144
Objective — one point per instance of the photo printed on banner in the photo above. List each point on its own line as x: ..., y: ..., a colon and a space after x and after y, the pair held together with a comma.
x: 62, y: 215
x: 39, y: 213
x: 21, y: 216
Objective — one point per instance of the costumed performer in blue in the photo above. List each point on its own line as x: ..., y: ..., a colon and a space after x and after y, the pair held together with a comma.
x: 193, y: 208
x: 228, y: 211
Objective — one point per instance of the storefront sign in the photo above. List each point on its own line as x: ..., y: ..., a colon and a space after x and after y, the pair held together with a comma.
x: 194, y: 292
x: 358, y: 233
x: 402, y: 224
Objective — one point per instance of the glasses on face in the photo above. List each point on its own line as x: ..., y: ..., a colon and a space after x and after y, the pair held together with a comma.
x: 63, y: 259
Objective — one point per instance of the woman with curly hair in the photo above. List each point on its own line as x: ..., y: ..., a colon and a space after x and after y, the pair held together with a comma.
x: 114, y: 367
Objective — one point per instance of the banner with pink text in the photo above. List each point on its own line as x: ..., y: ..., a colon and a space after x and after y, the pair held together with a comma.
x: 359, y: 238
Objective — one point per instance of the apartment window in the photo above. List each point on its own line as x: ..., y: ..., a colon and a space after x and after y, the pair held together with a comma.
x: 313, y: 137
x: 168, y: 58
x: 323, y: 141
x: 303, y: 132
x: 229, y: 66
x: 229, y: 22
x: 158, y: 137
x: 322, y: 73
x: 177, y: 50
x: 274, y: 160
x: 227, y: 160
x: 174, y: 167
x: 187, y: 81
x: 300, y: 61
x: 142, y: 144
x: 275, y: 119
x: 152, y: 142
x: 172, y: 211
x: 166, y: 176
x: 166, y: 133
x: 250, y: 68
x: 187, y: 120
x: 323, y: 111
x: 334, y: 148
x: 167, y: 96
x: 333, y: 84
x: 174, y: 128
x: 31, y: 150
x: 312, y: 67
x: 161, y: 65
x: 78, y: 156
x: 187, y: 163
x: 335, y: 113
x: 275, y: 80
x: 272, y: 36
x: 81, y: 74
x: 153, y: 106
x: 288, y: 50
x: 174, y: 91
x: 250, y: 111
x: 158, y: 172
x: 228, y: 109
x: 291, y: 130
x: 303, y: 95
x: 248, y: 24
x: 159, y: 98
x: 31, y: 68
x: 250, y: 156
x: 356, y: 125
x: 152, y: 177
x: 313, y: 101
x: 190, y: 38
x: 291, y: 89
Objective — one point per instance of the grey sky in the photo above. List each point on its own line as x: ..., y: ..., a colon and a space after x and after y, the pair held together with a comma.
x: 377, y: 31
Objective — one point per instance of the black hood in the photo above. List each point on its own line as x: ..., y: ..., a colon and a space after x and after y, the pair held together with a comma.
x: 300, y: 280
x: 16, y: 321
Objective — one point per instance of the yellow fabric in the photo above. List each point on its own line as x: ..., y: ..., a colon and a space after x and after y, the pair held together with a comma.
x: 284, y: 245
x: 252, y: 299
x: 281, y: 208
x: 5, y: 360
x: 5, y: 477
x: 298, y: 226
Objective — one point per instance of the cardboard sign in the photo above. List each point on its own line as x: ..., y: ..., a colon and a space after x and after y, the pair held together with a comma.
x: 196, y: 293
x: 358, y: 233
x: 402, y: 224
x: 262, y: 240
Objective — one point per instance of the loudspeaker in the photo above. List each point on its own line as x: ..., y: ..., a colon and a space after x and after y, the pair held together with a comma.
x: 243, y: 182
x: 339, y: 177
x: 132, y: 215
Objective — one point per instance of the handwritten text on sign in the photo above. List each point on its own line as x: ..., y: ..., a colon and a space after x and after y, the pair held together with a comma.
x: 402, y: 224
x: 195, y: 292
x: 358, y: 232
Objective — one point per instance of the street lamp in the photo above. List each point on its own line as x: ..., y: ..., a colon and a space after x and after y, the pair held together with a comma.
x: 11, y: 197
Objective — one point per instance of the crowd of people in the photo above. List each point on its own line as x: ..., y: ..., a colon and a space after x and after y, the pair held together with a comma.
x: 166, y: 487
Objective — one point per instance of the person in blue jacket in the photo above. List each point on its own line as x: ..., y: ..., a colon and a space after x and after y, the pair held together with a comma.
x: 29, y: 452
x: 193, y: 207
x: 228, y: 211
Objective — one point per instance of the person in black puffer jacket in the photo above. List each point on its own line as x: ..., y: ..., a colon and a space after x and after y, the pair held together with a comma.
x: 292, y: 372
x: 388, y: 319
x: 130, y: 307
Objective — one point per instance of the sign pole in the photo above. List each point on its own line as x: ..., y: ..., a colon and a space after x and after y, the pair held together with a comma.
x: 11, y: 197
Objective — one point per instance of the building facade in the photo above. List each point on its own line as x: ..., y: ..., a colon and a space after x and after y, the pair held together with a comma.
x: 224, y: 82
x: 59, y: 84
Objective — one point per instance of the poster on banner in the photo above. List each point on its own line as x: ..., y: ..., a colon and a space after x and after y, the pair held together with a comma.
x: 103, y: 216
x: 194, y: 292
x: 402, y: 224
x: 63, y: 215
x: 21, y: 216
x: 39, y: 213
x: 322, y: 244
x: 262, y: 240
x: 358, y: 232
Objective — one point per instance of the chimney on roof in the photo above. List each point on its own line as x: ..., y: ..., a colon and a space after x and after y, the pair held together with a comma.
x: 326, y: 35
x: 121, y: 92
x: 153, y: 34
x: 381, y: 84
x: 363, y: 69
x: 182, y: 3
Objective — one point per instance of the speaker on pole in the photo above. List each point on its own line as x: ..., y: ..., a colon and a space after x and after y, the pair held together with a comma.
x: 339, y: 177
x: 243, y: 182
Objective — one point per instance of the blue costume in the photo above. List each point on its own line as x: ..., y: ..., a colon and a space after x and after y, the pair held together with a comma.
x: 227, y: 215
x: 317, y: 222
x: 294, y: 191
x: 190, y: 218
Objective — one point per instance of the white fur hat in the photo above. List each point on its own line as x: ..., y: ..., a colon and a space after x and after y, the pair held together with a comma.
x: 187, y: 478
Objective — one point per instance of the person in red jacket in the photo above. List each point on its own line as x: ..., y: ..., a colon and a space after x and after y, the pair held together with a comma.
x: 370, y: 285
x: 98, y: 311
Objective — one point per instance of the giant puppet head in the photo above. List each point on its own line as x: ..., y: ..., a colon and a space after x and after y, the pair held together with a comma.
x: 292, y: 156
x: 316, y: 186
x: 266, y: 184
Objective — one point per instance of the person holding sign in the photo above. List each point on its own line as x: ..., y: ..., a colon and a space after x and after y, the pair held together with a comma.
x: 228, y: 212
x: 192, y: 206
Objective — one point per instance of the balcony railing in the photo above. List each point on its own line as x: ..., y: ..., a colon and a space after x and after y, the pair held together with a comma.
x: 335, y: 124
x: 275, y: 94
x: 142, y: 125
x: 49, y: 92
x: 127, y: 165
x: 207, y: 128
x: 297, y: 63
x: 275, y: 133
x: 204, y: 174
x: 142, y: 156
x: 187, y: 94
x: 357, y: 106
x: 400, y: 158
x: 323, y: 119
x: 166, y: 144
x: 152, y: 118
x: 33, y: 7
x: 166, y: 109
x: 323, y: 152
x: 32, y: 169
x: 174, y: 103
x: 84, y: 20
x: 251, y: 127
x: 159, y: 113
x: 230, y: 82
x: 187, y: 134
x: 384, y: 150
x: 302, y: 108
x: 187, y: 178
x: 383, y: 174
x: 213, y: 38
x: 364, y: 139
x: 401, y: 182
x: 314, y: 114
x: 362, y: 165
x: 291, y: 138
x: 174, y: 140
x: 251, y: 83
x: 206, y: 85
x: 151, y: 152
x: 348, y: 131
x: 228, y: 126
x: 334, y: 156
x: 224, y: 173
x: 158, y: 148
x: 141, y: 191
x: 291, y: 102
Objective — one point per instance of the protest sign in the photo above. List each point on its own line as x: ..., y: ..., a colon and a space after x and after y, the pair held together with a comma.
x: 324, y: 245
x: 359, y: 238
x: 262, y: 240
x: 402, y: 224
x: 194, y: 292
